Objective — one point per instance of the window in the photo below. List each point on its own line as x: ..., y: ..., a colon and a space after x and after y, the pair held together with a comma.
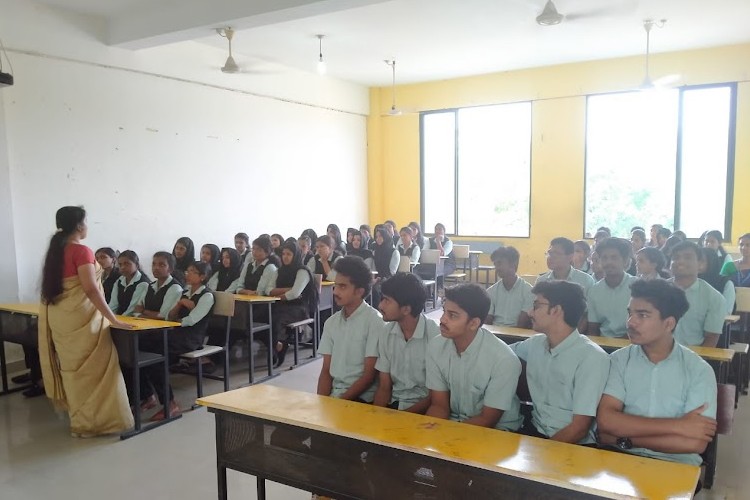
x: 661, y: 157
x: 476, y: 170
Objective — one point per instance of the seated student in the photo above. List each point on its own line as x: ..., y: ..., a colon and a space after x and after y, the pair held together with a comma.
x: 325, y: 257
x: 107, y: 259
x: 211, y: 255
x: 565, y: 370
x: 444, y: 245
x: 371, y: 243
x: 193, y: 311
x: 227, y: 277
x: 276, y: 241
x: 600, y: 235
x: 660, y: 397
x: 349, y: 235
x: 596, y: 272
x: 402, y: 349
x: 713, y: 241
x: 390, y: 228
x: 242, y: 245
x: 608, y: 299
x: 511, y: 296
x: 418, y: 237
x: 407, y: 246
x: 653, y: 232
x: 366, y: 235
x: 165, y: 291
x: 471, y: 374
x: 350, y: 336
x: 661, y: 237
x: 703, y: 322
x: 295, y: 287
x: 708, y: 271
x: 385, y: 261
x: 559, y: 262
x: 131, y: 287
x: 637, y: 241
x: 739, y: 270
x: 581, y: 253
x: 305, y: 248
x: 256, y: 277
x: 650, y: 263
x: 335, y: 233
x: 361, y: 251
x: 184, y: 254
x: 310, y: 233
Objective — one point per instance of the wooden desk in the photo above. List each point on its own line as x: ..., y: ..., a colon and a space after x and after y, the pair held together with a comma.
x: 361, y: 451
x: 26, y: 336
x: 252, y: 328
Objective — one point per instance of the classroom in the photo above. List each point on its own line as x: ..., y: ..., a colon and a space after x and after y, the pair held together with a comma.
x: 123, y: 107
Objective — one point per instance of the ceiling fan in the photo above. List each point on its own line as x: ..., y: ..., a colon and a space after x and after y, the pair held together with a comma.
x: 550, y: 16
x: 230, y: 66
x: 394, y: 111
x: 665, y: 81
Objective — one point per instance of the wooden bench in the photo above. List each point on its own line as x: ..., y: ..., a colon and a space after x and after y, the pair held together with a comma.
x: 295, y: 329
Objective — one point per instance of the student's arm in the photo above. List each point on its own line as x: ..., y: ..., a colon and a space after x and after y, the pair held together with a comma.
x: 266, y: 279
x: 420, y: 406
x: 664, y: 444
x: 331, y: 275
x: 488, y: 417
x: 200, y: 311
x: 710, y: 339
x: 171, y: 298
x: 87, y: 276
x: 325, y: 380
x: 415, y: 254
x: 138, y: 296
x: 114, y: 298
x: 300, y: 282
x: 575, y: 431
x: 447, y: 247
x: 393, y: 264
x: 730, y: 296
x: 523, y: 321
x: 364, y: 382
x: 213, y: 281
x: 385, y: 388
x: 440, y: 404
x: 240, y: 282
x: 491, y: 291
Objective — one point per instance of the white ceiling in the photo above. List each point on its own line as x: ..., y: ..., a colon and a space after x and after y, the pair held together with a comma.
x: 430, y: 39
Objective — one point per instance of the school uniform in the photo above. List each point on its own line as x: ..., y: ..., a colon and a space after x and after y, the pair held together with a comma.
x: 564, y: 381
x: 574, y: 276
x: 257, y: 277
x: 316, y: 267
x: 126, y: 295
x: 508, y: 304
x: 413, y: 252
x: 300, y: 302
x: 405, y: 361
x: 162, y: 298
x: 485, y: 374
x: 349, y: 341
x: 609, y: 306
x: 669, y: 389
x: 705, y: 314
x: 449, y: 264
x: 108, y: 283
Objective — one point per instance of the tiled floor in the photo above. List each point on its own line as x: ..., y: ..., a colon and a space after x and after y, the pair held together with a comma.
x: 39, y: 460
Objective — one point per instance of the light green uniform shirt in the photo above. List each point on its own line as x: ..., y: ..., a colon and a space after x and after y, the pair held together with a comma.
x: 574, y: 276
x: 349, y: 341
x: 706, y: 314
x: 670, y: 389
x: 485, y: 374
x: 609, y: 306
x: 565, y: 381
x: 508, y: 304
x: 405, y: 360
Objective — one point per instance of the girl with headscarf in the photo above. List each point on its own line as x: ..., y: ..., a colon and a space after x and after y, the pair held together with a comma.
x: 184, y: 255
x: 211, y: 255
x: 298, y: 294
x: 226, y: 277
x: 710, y: 267
x: 335, y: 233
x: 349, y: 235
x: 360, y: 250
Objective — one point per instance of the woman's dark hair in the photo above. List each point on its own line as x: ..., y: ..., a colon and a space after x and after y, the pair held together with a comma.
x: 287, y: 273
x: 132, y: 257
x: 263, y: 242
x: 327, y: 241
x: 203, y: 268
x: 171, y: 261
x: 311, y: 234
x: 356, y: 270
x: 441, y: 226
x: 569, y: 296
x: 362, y: 251
x: 109, y: 252
x: 183, y: 262
x: 215, y: 254
x: 472, y: 298
x: 418, y: 236
x: 336, y: 234
x: 67, y: 220
x: 640, y: 233
x: 278, y: 237
x: 407, y: 290
x: 719, y: 237
x: 713, y: 268
x: 226, y: 275
x: 657, y: 258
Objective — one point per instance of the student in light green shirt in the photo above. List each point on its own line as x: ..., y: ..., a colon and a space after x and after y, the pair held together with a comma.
x: 511, y: 296
x: 471, y: 374
x: 350, y: 337
x: 560, y: 264
x: 660, y: 397
x: 403, y: 346
x: 565, y: 370
x: 608, y: 299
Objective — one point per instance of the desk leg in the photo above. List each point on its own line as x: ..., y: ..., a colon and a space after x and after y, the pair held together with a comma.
x: 271, y: 346
x: 261, y: 486
x: 250, y: 338
x: 711, y: 456
x: 166, y: 401
x: 137, y: 384
x: 3, y: 361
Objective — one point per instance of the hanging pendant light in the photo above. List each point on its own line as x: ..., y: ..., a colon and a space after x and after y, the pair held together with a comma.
x: 321, y: 63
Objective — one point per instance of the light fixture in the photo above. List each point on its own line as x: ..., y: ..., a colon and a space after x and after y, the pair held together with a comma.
x: 230, y: 66
x: 394, y: 111
x: 549, y: 16
x: 321, y: 62
x: 648, y: 24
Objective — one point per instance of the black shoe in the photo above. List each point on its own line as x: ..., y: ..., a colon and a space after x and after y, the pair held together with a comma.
x: 22, y: 379
x: 33, y: 391
x: 280, y: 355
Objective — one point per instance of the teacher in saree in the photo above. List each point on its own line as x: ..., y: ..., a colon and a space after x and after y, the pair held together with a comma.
x: 80, y: 366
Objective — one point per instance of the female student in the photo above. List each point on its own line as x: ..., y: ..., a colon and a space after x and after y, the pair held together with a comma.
x: 385, y: 257
x: 211, y: 255
x: 193, y: 311
x: 325, y: 256
x: 418, y: 236
x: 130, y: 288
x: 349, y: 235
x: 79, y: 362
x: 709, y: 268
x: 107, y: 259
x: 184, y: 254
x: 361, y: 251
x: 739, y: 270
x: 407, y: 246
x: 650, y: 264
x: 442, y: 243
x: 161, y: 295
x: 242, y: 245
x: 276, y: 241
x: 257, y: 274
x: 295, y: 286
x: 305, y: 248
x: 581, y: 254
x: 335, y: 233
x: 713, y: 241
x: 226, y: 277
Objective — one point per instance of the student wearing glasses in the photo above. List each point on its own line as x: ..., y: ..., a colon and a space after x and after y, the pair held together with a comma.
x: 560, y: 264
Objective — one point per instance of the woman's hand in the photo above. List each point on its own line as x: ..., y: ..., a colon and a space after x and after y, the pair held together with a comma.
x: 121, y: 325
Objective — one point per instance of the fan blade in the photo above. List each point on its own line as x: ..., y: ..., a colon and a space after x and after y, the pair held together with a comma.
x: 667, y: 80
x: 620, y: 8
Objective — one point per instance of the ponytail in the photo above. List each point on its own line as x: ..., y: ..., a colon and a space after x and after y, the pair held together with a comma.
x: 67, y: 219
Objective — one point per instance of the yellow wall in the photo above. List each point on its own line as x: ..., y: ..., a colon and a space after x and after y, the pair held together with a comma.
x: 558, y: 135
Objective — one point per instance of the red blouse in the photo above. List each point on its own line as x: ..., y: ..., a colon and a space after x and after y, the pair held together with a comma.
x: 76, y: 255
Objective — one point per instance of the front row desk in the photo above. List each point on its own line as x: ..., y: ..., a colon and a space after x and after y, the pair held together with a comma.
x: 361, y: 451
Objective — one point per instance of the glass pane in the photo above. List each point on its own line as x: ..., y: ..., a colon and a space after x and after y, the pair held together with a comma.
x: 494, y: 153
x: 705, y: 139
x: 631, y: 145
x: 439, y: 175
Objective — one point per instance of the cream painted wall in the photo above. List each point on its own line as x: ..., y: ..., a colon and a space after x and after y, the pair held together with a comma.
x: 558, y: 141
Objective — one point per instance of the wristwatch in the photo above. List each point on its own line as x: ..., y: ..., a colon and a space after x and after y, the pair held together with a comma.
x: 624, y: 443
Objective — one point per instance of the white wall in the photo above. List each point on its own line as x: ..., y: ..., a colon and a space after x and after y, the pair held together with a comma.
x: 197, y: 153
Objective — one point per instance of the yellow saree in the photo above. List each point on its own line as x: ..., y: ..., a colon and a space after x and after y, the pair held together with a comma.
x: 80, y: 366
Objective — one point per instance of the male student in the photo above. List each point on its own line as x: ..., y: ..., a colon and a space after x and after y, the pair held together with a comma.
x: 660, y: 397
x: 560, y: 264
x: 403, y: 347
x: 471, y: 374
x: 565, y: 370
x: 350, y: 337
x: 703, y: 322
x: 511, y: 296
x: 608, y: 298
x: 257, y: 277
